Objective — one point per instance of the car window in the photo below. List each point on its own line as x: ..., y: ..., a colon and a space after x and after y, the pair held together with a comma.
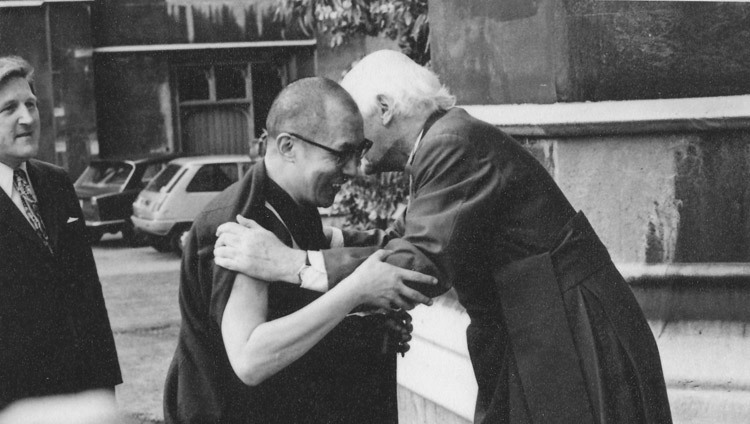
x: 150, y: 172
x: 159, y: 183
x: 213, y: 177
x: 103, y: 174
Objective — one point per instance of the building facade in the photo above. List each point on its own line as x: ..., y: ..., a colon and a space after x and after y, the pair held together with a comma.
x: 131, y: 78
x: 191, y: 76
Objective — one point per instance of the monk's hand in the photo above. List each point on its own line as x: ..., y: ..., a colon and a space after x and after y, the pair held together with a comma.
x: 382, y: 285
x: 398, y: 329
x: 248, y: 248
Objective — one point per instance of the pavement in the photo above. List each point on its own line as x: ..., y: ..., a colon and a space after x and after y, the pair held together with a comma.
x: 140, y: 288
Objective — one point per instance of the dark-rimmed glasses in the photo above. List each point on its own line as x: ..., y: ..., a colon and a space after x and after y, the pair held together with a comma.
x: 342, y: 156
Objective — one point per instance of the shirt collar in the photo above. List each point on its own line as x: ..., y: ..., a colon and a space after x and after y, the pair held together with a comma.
x: 6, y: 177
x: 414, y: 149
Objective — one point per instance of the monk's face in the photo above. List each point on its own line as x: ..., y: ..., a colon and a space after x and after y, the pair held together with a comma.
x: 330, y: 157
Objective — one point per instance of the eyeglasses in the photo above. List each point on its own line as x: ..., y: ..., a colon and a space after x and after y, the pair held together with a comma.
x: 342, y: 156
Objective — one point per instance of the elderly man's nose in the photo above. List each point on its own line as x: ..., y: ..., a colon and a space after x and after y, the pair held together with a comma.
x: 351, y: 167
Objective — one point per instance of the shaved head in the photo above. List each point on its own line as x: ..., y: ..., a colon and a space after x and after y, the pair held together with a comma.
x: 314, y: 133
x: 313, y: 104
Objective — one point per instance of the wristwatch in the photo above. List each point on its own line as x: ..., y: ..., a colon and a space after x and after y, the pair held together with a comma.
x: 304, y: 268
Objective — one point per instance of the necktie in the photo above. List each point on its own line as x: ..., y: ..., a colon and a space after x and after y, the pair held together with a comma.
x: 21, y: 184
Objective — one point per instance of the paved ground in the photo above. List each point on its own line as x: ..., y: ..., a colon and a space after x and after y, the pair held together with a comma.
x: 140, y: 288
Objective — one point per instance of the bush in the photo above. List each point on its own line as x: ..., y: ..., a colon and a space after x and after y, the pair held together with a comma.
x: 373, y: 201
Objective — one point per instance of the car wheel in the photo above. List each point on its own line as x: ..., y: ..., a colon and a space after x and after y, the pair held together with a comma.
x: 94, y: 235
x: 162, y: 246
x: 130, y: 236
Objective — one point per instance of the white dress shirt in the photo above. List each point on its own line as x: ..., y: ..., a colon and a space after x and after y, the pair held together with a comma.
x: 6, y: 183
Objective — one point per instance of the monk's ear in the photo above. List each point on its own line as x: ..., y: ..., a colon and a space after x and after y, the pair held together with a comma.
x: 385, y: 107
x: 285, y: 146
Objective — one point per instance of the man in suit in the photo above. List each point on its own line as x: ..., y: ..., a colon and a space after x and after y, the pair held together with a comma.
x: 55, y: 336
x: 556, y: 335
x: 255, y: 351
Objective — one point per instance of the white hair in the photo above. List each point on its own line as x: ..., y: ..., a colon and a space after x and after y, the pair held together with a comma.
x: 386, y: 72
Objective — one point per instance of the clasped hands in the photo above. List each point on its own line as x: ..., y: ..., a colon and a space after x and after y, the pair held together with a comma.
x: 248, y: 248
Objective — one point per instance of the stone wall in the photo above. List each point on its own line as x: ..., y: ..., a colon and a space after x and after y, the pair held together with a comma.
x: 547, y: 51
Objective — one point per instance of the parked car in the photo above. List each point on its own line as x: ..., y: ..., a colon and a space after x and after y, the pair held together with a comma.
x: 107, y: 188
x: 166, y: 208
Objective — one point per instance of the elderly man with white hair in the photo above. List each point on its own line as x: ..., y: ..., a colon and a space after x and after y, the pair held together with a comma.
x: 556, y: 335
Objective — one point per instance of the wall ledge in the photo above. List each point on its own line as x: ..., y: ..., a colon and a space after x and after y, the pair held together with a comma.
x: 206, y: 46
x: 36, y: 3
x: 437, y: 368
x: 686, y: 273
x: 618, y: 117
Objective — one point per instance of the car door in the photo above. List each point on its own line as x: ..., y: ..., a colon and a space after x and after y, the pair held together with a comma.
x: 207, y: 181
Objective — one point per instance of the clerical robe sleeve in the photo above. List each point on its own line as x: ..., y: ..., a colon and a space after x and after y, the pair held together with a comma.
x: 447, y: 223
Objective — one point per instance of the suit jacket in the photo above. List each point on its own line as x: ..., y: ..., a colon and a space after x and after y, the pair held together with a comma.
x: 556, y: 335
x: 55, y: 335
x: 345, y: 378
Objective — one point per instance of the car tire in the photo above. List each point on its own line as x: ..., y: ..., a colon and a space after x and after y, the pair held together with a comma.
x: 162, y: 246
x: 94, y: 235
x: 130, y: 237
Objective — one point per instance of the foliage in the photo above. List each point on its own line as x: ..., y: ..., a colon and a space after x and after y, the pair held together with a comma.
x: 368, y: 202
x: 403, y: 20
x: 373, y: 201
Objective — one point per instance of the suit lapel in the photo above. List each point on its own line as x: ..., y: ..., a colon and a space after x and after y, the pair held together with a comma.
x: 51, y: 206
x: 13, y: 220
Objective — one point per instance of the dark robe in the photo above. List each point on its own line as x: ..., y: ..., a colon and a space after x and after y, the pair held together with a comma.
x: 556, y: 335
x: 345, y: 378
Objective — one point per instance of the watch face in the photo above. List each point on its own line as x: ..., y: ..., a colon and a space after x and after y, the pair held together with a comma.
x: 302, y: 273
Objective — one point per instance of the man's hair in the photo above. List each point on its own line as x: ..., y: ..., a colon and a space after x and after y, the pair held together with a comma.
x: 16, y: 67
x: 306, y: 102
x: 411, y: 86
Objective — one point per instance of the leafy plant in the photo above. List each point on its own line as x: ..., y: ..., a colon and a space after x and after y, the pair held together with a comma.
x: 403, y: 20
x: 367, y: 201
x: 373, y: 201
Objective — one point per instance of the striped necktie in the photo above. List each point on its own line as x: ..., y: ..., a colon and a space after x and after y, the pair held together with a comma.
x: 21, y: 184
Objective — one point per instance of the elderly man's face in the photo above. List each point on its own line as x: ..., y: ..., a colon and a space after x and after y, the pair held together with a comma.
x: 19, y: 122
x: 385, y: 155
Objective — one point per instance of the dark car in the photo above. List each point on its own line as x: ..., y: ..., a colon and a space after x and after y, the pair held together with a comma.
x: 107, y: 188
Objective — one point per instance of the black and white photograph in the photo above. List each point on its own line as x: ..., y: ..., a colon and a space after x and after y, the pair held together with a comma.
x: 374, y: 212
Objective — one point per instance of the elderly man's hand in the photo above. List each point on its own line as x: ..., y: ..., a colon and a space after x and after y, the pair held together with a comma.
x: 248, y: 248
x: 383, y: 285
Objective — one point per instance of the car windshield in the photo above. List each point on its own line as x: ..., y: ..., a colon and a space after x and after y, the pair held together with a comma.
x: 103, y: 174
x: 159, y: 183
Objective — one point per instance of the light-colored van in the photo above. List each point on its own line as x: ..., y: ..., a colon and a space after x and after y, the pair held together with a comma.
x: 166, y: 208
